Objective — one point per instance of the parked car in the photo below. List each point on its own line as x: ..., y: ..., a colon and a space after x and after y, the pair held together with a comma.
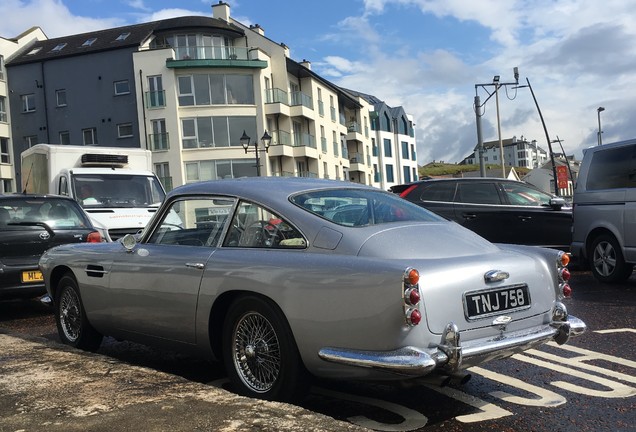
x: 29, y: 225
x: 267, y: 275
x: 500, y: 210
x: 604, y: 234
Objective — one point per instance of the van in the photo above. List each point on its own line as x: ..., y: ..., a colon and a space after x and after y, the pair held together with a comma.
x: 604, y: 211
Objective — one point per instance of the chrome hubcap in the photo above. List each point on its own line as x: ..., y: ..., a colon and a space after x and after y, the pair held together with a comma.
x: 256, y: 352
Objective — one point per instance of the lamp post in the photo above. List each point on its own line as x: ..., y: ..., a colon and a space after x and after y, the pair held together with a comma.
x: 245, y: 142
x: 600, y: 131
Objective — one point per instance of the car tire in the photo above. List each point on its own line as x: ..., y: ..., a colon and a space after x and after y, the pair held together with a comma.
x: 606, y: 260
x: 70, y: 317
x: 259, y: 352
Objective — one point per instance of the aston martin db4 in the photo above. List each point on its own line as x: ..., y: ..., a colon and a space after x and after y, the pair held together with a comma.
x: 287, y: 278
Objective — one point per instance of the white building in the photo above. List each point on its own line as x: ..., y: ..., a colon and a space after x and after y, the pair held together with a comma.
x: 517, y: 152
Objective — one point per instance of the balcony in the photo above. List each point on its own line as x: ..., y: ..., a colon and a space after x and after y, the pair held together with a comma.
x: 155, y: 99
x: 354, y: 132
x: 302, y: 105
x: 207, y: 56
x: 281, y: 138
x: 276, y: 102
x: 298, y: 145
x: 308, y: 174
x: 356, y: 162
x: 336, y: 146
x: 159, y: 142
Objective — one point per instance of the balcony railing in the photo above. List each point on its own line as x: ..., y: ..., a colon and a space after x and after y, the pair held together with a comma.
x: 276, y: 95
x: 353, y: 127
x: 357, y: 158
x: 300, y: 98
x: 281, y: 138
x: 307, y: 174
x: 156, y: 99
x: 3, y: 117
x: 321, y: 108
x: 336, y: 146
x: 345, y: 152
x: 207, y: 52
x: 304, y: 140
x: 333, y: 113
x: 283, y: 174
x: 159, y: 142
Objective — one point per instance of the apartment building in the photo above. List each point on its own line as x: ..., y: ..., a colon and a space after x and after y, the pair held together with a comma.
x: 8, y: 49
x: 518, y: 152
x: 211, y: 98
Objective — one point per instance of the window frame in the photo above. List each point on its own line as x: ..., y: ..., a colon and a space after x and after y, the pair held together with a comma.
x: 119, y: 92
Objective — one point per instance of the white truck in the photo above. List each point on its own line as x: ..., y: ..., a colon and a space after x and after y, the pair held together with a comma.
x: 114, y: 185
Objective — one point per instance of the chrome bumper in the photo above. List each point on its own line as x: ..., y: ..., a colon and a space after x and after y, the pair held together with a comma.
x: 451, y: 356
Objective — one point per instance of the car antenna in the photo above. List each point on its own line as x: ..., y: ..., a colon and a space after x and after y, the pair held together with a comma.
x: 26, y: 184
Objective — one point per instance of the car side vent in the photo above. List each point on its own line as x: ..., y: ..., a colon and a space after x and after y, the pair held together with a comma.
x: 114, y: 160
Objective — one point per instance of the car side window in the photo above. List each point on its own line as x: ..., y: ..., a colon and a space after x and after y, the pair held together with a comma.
x: 612, y: 169
x: 478, y: 193
x: 253, y: 226
x: 193, y: 222
x: 442, y: 191
x: 522, y: 195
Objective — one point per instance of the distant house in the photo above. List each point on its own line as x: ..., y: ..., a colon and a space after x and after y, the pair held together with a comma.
x: 543, y: 177
x: 511, y: 173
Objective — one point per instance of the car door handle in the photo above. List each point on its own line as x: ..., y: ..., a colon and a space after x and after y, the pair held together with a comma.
x: 524, y: 218
x: 199, y: 266
x: 469, y: 215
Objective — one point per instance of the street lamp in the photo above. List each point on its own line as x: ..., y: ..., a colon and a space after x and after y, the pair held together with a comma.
x: 245, y: 142
x: 600, y: 131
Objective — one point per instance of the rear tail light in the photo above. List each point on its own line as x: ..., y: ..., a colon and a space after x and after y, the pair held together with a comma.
x: 411, y: 297
x: 565, y: 290
x: 94, y: 237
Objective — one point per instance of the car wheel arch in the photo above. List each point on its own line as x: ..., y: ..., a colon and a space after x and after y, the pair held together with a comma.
x: 594, y: 234
x: 56, y: 275
x: 220, y: 309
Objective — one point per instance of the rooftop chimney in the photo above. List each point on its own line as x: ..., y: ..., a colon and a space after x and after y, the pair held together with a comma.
x: 258, y: 29
x: 221, y: 11
x: 306, y: 63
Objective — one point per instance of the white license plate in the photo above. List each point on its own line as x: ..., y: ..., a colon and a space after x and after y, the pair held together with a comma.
x: 485, y: 303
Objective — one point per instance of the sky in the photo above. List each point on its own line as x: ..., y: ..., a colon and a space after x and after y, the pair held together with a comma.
x: 431, y: 57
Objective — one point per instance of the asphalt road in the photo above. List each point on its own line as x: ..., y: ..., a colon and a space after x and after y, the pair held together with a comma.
x: 587, y: 385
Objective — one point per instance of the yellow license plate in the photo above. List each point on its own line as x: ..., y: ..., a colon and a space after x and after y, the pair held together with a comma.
x: 32, y: 276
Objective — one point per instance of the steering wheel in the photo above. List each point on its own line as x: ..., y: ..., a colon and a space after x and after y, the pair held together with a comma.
x: 260, y: 234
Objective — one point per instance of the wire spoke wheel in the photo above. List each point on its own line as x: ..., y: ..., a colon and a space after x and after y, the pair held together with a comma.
x: 70, y: 315
x: 256, y: 352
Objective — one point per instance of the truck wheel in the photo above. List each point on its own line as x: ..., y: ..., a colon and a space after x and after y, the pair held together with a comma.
x: 606, y: 260
x: 259, y: 352
x: 70, y: 317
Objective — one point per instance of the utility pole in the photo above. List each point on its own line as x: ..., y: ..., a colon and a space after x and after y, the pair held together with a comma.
x: 478, y: 114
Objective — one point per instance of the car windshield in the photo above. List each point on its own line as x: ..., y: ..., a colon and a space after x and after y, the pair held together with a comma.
x: 58, y: 214
x: 117, y: 190
x: 361, y: 207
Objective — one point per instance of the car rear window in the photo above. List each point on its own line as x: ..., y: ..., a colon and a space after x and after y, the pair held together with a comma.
x: 56, y: 213
x: 361, y: 207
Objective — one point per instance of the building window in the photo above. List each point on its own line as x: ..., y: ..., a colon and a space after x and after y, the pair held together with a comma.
x: 28, y: 103
x: 413, y: 156
x: 31, y: 140
x: 89, y: 136
x: 407, y: 174
x: 375, y: 147
x: 59, y: 47
x: 6, y: 186
x: 122, y: 37
x: 5, y: 158
x: 387, y: 148
x: 89, y: 42
x: 65, y: 137
x: 1, y: 68
x: 163, y: 172
x: 218, y: 169
x: 218, y: 131
x: 121, y: 87
x: 124, y: 130
x: 60, y: 97
x: 159, y: 137
x: 3, y: 109
x: 216, y: 89
x: 389, y: 173
x: 405, y: 150
x: 34, y: 51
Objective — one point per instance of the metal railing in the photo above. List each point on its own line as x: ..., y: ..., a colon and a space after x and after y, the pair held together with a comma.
x: 276, y: 95
x: 159, y: 142
x: 300, y: 98
x: 281, y: 138
x: 211, y: 52
x: 156, y: 99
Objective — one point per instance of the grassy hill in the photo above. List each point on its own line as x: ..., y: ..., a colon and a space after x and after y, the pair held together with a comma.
x: 435, y: 169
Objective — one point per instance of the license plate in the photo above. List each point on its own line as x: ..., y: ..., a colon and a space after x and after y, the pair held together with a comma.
x: 32, y: 276
x: 484, y: 303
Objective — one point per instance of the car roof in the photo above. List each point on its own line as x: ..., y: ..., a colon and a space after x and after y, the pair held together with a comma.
x: 13, y: 196
x: 252, y: 187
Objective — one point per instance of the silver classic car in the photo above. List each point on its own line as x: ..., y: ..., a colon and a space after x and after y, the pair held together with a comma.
x: 288, y: 278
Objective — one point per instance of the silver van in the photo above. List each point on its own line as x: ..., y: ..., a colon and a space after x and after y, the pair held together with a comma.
x: 604, y: 212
